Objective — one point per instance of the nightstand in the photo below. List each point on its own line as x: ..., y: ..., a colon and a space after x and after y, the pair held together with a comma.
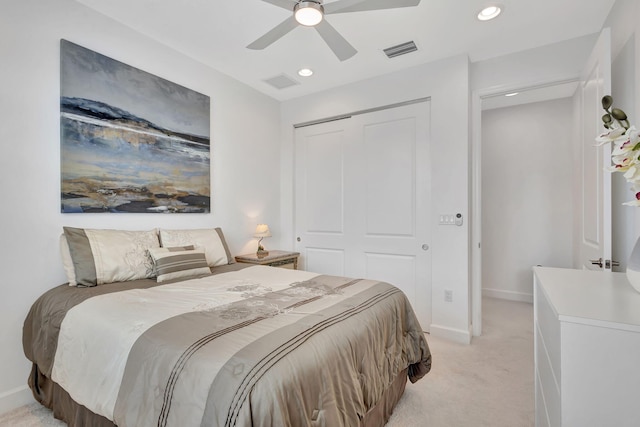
x: 281, y: 259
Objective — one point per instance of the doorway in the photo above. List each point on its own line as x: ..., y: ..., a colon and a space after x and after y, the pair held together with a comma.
x: 527, y: 194
x: 487, y: 100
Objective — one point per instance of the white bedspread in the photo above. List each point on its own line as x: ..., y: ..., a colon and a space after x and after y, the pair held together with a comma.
x: 91, y: 369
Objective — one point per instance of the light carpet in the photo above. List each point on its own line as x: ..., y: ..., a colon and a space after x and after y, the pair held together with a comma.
x: 487, y: 383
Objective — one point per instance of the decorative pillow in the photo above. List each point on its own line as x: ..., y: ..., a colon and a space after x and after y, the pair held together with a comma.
x: 107, y: 256
x: 67, y: 262
x: 179, y: 263
x: 210, y: 240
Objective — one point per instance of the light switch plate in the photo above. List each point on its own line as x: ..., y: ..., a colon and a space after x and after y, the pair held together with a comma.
x: 447, y: 219
x: 450, y: 219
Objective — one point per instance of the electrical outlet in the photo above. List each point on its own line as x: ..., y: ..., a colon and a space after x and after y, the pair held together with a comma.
x: 448, y: 295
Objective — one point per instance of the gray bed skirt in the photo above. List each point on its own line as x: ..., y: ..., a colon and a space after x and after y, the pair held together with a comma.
x: 64, y: 408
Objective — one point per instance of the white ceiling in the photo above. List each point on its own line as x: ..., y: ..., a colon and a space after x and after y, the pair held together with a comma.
x: 216, y: 33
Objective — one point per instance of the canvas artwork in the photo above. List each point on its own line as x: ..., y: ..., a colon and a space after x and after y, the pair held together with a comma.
x: 130, y: 141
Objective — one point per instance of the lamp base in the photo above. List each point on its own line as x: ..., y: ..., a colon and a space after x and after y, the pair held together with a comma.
x: 262, y: 253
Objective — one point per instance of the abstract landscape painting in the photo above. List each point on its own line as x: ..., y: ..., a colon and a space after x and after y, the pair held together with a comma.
x: 130, y: 141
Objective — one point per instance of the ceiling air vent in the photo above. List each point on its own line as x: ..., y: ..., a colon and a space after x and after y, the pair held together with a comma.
x: 400, y: 49
x: 281, y: 82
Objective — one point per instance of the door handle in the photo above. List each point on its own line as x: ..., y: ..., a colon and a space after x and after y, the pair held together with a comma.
x: 607, y: 263
x: 298, y: 239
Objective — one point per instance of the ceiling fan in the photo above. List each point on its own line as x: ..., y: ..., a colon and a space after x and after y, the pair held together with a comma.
x: 311, y: 14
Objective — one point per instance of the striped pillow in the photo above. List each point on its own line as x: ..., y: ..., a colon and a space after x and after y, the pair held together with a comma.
x: 182, y: 262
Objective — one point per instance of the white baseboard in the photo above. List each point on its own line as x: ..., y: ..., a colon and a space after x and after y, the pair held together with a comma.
x: 508, y: 295
x: 15, y: 398
x: 457, y: 335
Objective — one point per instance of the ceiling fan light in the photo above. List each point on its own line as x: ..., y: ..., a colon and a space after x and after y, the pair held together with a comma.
x: 308, y: 13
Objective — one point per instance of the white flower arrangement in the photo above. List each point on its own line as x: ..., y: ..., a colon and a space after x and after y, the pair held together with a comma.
x: 625, y: 154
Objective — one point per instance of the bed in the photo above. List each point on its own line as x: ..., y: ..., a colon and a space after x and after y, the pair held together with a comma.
x: 239, y: 345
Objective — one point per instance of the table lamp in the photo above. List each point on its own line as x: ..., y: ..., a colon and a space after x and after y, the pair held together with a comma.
x: 262, y: 231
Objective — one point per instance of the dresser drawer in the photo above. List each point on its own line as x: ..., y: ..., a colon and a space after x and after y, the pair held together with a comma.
x: 548, y: 390
x: 549, y: 329
x: 542, y: 418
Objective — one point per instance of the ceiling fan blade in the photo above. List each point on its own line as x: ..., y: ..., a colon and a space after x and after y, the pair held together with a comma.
x: 337, y: 6
x: 285, y: 4
x: 280, y: 30
x: 338, y: 44
x: 345, y: 6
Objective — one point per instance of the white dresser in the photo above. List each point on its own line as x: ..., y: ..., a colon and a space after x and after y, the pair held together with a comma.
x: 587, y: 349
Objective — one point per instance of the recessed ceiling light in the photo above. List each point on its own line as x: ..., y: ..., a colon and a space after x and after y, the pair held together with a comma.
x: 489, y: 12
x: 305, y: 72
x: 511, y: 94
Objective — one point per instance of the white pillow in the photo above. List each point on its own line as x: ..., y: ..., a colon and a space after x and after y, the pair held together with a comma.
x: 107, y: 256
x: 210, y: 240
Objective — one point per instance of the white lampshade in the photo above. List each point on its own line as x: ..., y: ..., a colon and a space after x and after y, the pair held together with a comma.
x: 308, y: 13
x: 262, y: 230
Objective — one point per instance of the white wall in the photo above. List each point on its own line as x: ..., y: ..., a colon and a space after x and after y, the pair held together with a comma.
x: 245, y: 157
x: 555, y: 62
x: 526, y: 195
x: 447, y: 83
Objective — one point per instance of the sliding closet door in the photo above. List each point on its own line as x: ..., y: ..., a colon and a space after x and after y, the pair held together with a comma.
x: 363, y: 200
